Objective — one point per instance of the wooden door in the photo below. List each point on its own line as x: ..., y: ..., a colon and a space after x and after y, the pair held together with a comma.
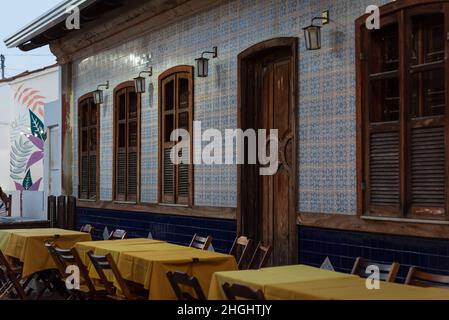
x: 267, y: 210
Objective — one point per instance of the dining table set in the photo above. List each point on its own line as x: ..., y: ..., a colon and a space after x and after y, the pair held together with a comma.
x: 146, y: 262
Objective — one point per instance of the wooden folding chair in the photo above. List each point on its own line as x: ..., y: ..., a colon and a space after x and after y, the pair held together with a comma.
x: 87, y: 228
x: 118, y: 234
x: 12, y: 282
x: 201, y: 243
x: 260, y: 257
x: 54, y: 279
x: 241, y: 292
x: 102, y: 263
x: 66, y: 257
x: 178, y: 279
x: 426, y: 280
x: 388, y: 272
x: 241, y: 250
x: 5, y: 203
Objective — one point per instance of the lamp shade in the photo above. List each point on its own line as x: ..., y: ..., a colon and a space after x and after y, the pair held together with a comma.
x: 140, y: 84
x: 98, y: 96
x: 202, y: 67
x: 312, y: 36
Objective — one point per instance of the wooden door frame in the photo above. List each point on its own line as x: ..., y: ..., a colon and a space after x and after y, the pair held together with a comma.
x: 243, y: 59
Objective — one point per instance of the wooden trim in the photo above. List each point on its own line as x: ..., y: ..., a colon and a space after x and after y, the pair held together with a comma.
x: 359, y: 118
x: 194, y: 211
x: 121, y: 86
x: 446, y: 116
x: 400, y: 227
x: 161, y: 131
x: 398, y: 5
x: 120, y: 29
x: 67, y: 101
x: 399, y: 11
x: 98, y: 125
x: 25, y: 225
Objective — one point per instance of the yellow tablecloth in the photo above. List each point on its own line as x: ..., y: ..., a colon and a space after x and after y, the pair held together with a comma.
x: 351, y: 289
x: 260, y: 279
x: 114, y: 247
x: 27, y: 245
x: 149, y: 268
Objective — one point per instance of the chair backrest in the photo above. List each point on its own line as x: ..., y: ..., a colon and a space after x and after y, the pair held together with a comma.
x: 60, y: 265
x: 241, y: 250
x: 118, y: 234
x: 102, y: 263
x: 87, y: 228
x: 178, y: 279
x: 238, y: 292
x: 4, y: 264
x: 425, y: 279
x: 66, y: 257
x: 5, y: 203
x: 261, y: 256
x: 201, y: 243
x: 10, y: 279
x: 388, y: 272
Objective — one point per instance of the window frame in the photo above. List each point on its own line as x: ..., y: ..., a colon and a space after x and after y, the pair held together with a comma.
x: 88, y: 96
x: 116, y: 198
x: 400, y: 12
x: 173, y: 73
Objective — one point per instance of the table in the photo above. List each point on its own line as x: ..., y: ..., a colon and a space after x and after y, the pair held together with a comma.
x: 114, y: 247
x: 28, y: 246
x: 149, y: 268
x: 351, y: 289
x: 260, y: 279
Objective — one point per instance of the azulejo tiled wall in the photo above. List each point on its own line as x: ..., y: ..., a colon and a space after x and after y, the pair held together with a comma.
x: 343, y: 248
x: 326, y: 111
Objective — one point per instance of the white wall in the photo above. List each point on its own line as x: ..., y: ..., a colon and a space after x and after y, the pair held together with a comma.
x: 5, y: 121
x: 24, y: 101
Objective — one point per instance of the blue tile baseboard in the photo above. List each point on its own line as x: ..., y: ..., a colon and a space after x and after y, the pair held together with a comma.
x: 171, y: 228
x: 343, y: 247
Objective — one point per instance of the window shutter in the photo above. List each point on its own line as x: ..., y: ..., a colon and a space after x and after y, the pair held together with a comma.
x: 88, y: 123
x: 168, y: 178
x: 127, y: 140
x: 132, y: 175
x: 84, y: 178
x: 175, y: 112
x: 183, y: 183
x: 92, y: 177
x: 428, y: 167
x: 121, y: 178
x: 384, y: 169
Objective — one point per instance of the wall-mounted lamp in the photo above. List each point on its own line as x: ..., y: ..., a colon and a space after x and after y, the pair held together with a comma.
x: 312, y: 33
x: 98, y: 94
x: 202, y: 64
x: 140, y: 82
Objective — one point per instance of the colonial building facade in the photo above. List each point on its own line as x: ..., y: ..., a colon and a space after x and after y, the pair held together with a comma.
x: 362, y: 123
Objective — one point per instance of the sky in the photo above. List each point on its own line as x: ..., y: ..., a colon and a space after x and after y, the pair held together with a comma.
x: 14, y: 15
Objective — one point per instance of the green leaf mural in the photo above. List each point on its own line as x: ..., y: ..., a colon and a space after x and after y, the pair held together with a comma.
x: 27, y: 182
x: 37, y: 127
x: 20, y: 152
x: 17, y: 126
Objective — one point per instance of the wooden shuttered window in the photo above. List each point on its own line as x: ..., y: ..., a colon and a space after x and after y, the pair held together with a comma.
x: 404, y: 98
x: 127, y: 143
x: 88, y: 147
x: 175, y: 112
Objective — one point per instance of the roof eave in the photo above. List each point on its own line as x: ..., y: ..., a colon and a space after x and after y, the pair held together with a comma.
x: 45, y: 22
